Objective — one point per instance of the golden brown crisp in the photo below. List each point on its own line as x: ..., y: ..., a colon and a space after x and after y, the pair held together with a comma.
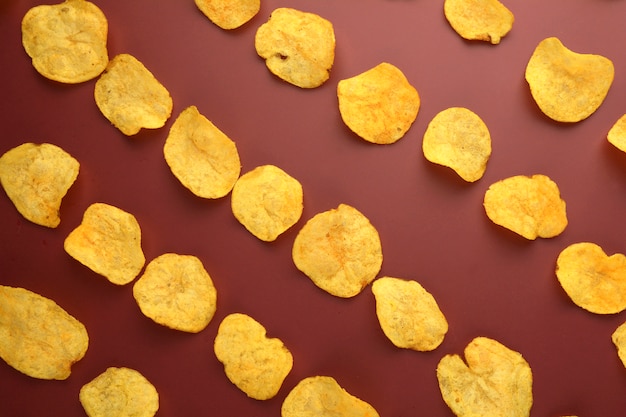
x: 482, y: 20
x: 617, y: 134
x: 619, y: 340
x: 229, y: 14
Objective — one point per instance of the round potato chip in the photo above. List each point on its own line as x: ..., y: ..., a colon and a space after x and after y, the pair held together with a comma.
x: 619, y: 340
x: 482, y: 20
x: 617, y: 134
x: 379, y: 105
x: 229, y: 14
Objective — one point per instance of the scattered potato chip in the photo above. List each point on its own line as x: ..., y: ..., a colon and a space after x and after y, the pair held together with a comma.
x: 459, y: 139
x: 229, y: 14
x: 481, y: 20
x: 36, y: 177
x: 37, y: 337
x: 256, y: 364
x: 619, y: 340
x: 617, y: 134
x: 593, y: 280
x: 130, y: 97
x: 67, y: 42
x: 108, y: 241
x: 496, y: 381
x: 568, y: 86
x: 298, y: 47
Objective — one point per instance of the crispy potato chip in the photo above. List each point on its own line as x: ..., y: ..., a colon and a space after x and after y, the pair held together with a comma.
x: 593, y: 280
x: 567, y: 86
x: 619, y: 340
x: 459, y: 139
x: 408, y: 314
x: 67, y: 42
x: 495, y: 382
x: 617, y: 134
x: 481, y: 20
x: 379, y: 105
x: 119, y: 392
x: 229, y: 14
x: 256, y: 364
x: 37, y: 337
x: 108, y: 241
x: 339, y: 250
x: 201, y: 156
x: 36, y: 177
x: 298, y: 47
x: 130, y: 97
x: 529, y: 206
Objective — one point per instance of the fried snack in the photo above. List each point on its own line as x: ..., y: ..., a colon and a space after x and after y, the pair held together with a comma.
x: 267, y: 201
x: 619, y: 340
x: 617, y: 134
x: 201, y: 156
x: 379, y: 105
x: 339, y: 250
x: 529, y: 206
x: 108, y: 241
x: 36, y: 177
x: 594, y: 281
x: 481, y: 20
x: 298, y: 47
x: 256, y: 364
x: 37, y: 337
x: 458, y: 138
x: 119, y: 392
x: 567, y: 86
x: 408, y: 314
x: 229, y: 14
x: 130, y: 97
x: 67, y: 42
x: 496, y: 381
x: 322, y: 396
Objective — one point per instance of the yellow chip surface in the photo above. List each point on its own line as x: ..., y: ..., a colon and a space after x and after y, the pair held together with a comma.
x: 255, y: 363
x: 529, y: 206
x: 619, y: 340
x: 36, y: 177
x: 592, y: 279
x: 297, y: 46
x: 108, y: 241
x: 493, y: 381
x: 130, y: 97
x: 229, y: 14
x: 617, y: 134
x: 37, y: 336
x: 481, y: 20
x: 201, y: 156
x: 566, y: 85
x: 67, y: 42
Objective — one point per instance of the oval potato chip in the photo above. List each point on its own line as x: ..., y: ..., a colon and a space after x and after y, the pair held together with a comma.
x: 619, y: 340
x: 229, y: 14
x: 482, y: 20
x: 617, y: 134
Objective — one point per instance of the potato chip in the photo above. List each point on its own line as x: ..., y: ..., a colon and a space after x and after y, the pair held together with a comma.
x: 37, y: 336
x: 298, y: 47
x: 379, y: 105
x: 408, y: 314
x: 619, y: 340
x: 339, y: 250
x: 267, y: 201
x: 617, y: 134
x: 108, y: 241
x: 36, y: 177
x: 255, y: 363
x: 495, y: 382
x: 459, y: 139
x: 568, y: 86
x: 529, y: 206
x: 593, y: 280
x: 119, y: 392
x: 201, y: 156
x: 481, y: 20
x: 130, y: 97
x: 67, y: 42
x: 229, y: 14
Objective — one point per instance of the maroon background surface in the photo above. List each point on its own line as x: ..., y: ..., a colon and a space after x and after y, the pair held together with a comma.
x: 487, y: 280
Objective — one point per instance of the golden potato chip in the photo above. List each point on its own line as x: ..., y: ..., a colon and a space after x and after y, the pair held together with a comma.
x: 36, y: 177
x: 67, y: 42
x: 229, y: 14
x: 108, y: 241
x: 496, y: 381
x: 408, y: 314
x: 256, y: 364
x: 567, y: 86
x: 379, y: 105
x: 459, y: 139
x: 119, y: 392
x: 201, y: 156
x: 619, y: 340
x: 481, y: 20
x: 617, y: 134
x: 176, y: 291
x: 593, y: 280
x: 267, y: 201
x: 37, y: 337
x: 130, y: 97
x: 298, y: 47
x: 339, y: 250
x: 529, y: 206
x: 322, y: 396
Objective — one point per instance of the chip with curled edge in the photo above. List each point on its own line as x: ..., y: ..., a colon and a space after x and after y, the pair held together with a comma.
x: 229, y: 14
x: 481, y: 20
